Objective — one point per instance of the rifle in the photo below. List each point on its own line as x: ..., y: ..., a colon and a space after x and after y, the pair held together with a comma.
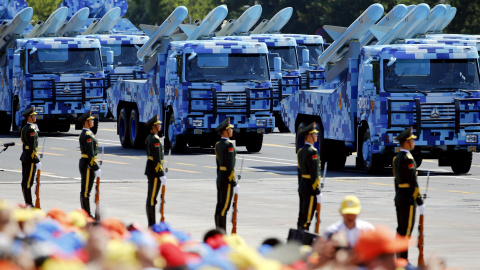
x: 162, y: 196
x: 39, y: 172
x: 235, y: 203
x: 319, y: 205
x: 421, y: 261
x: 97, y: 190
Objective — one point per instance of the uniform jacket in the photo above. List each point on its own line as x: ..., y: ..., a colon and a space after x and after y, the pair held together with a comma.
x: 405, y: 173
x: 29, y: 139
x: 308, y: 170
x: 225, y: 156
x: 155, y: 156
x: 89, y: 148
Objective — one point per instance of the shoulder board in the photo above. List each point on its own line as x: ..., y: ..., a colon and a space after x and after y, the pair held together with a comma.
x: 32, y: 127
x: 409, y: 156
x: 89, y: 133
x: 156, y: 136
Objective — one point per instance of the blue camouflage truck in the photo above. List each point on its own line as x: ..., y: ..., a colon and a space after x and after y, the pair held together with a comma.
x: 61, y: 77
x: 383, y: 89
x: 193, y: 86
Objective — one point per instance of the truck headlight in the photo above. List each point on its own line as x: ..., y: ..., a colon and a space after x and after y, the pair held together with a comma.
x: 197, y: 123
x: 261, y: 122
x: 472, y: 138
x: 39, y: 109
x: 95, y: 108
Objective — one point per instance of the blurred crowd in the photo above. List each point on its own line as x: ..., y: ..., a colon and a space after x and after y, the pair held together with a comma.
x: 31, y: 238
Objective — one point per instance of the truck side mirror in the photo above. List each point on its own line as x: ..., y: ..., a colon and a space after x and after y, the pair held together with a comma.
x: 368, y: 73
x: 109, y: 57
x: 277, y: 67
x: 305, y: 58
x: 172, y: 67
x: 17, y: 66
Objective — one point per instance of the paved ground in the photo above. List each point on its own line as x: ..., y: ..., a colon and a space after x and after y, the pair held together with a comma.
x: 268, y: 202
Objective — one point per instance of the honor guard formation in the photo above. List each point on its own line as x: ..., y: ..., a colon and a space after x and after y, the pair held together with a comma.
x: 385, y: 77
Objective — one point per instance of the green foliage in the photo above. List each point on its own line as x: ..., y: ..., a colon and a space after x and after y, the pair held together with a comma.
x: 43, y: 8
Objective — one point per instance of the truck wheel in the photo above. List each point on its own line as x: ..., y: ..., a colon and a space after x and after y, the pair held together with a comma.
x: 254, y: 142
x: 371, y: 162
x: 461, y: 162
x: 122, y: 126
x: 5, y: 123
x: 175, y: 142
x: 136, y: 133
x: 337, y: 155
x: 418, y: 158
x: 66, y: 128
x: 94, y: 129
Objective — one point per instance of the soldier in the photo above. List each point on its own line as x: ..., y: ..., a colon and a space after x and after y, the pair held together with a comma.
x: 225, y: 157
x: 154, y: 168
x: 88, y: 162
x: 407, y: 193
x: 308, y: 176
x: 29, y: 157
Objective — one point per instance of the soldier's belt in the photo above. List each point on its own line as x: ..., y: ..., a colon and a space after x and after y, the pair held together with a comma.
x: 86, y: 156
x: 306, y: 176
x: 150, y: 158
x: 223, y: 168
x: 406, y: 185
x: 26, y: 147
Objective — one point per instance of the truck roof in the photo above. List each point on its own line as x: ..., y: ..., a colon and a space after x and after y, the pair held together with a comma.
x: 453, y: 36
x: 421, y: 51
x: 456, y: 42
x: 270, y: 40
x: 119, y: 39
x: 306, y: 39
x: 219, y: 46
x: 57, y: 43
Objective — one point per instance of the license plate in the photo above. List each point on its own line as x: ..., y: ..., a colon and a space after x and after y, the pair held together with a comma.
x: 197, y: 132
x: 261, y: 130
x: 472, y: 149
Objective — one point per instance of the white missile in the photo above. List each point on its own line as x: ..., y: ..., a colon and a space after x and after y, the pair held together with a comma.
x: 437, y: 13
x: 448, y: 19
x: 356, y: 30
x: 105, y: 23
x: 76, y: 22
x: 275, y: 24
x: 209, y: 24
x: 50, y: 26
x: 15, y: 27
x: 243, y: 24
x: 164, y: 30
x: 387, y: 22
x: 405, y: 26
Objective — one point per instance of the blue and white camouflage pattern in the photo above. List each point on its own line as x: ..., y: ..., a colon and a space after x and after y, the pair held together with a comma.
x: 342, y: 103
x: 8, y: 9
x: 158, y: 93
x: 455, y: 42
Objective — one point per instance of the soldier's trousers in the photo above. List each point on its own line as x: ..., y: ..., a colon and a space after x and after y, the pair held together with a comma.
x: 154, y: 185
x: 88, y: 179
x: 224, y: 200
x: 307, y: 208
x: 28, y: 178
x: 405, y: 220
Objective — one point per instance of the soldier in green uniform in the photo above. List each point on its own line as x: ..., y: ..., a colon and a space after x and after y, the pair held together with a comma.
x: 225, y: 157
x: 154, y: 169
x: 308, y: 176
x: 407, y: 193
x: 88, y: 166
x: 29, y: 157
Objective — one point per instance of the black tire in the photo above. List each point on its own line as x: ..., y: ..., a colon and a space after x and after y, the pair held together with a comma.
x: 282, y: 128
x: 461, y: 162
x: 5, y: 123
x: 66, y: 128
x: 122, y: 127
x: 254, y: 142
x: 15, y: 127
x: 372, y: 163
x: 337, y: 155
x: 418, y: 158
x: 175, y: 142
x: 136, y: 130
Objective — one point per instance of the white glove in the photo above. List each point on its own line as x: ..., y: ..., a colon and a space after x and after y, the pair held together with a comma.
x: 421, y: 209
x: 319, y: 198
x: 98, y: 173
x: 236, y: 188
x: 163, y: 179
x: 39, y: 166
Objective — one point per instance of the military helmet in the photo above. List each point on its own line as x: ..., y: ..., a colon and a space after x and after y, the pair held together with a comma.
x: 407, y: 134
x: 225, y: 124
x: 308, y: 129
x: 86, y: 116
x: 153, y: 121
x: 30, y: 111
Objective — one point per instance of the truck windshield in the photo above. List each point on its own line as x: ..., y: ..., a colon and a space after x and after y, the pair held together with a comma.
x: 288, y: 55
x: 431, y: 75
x: 224, y: 67
x: 123, y: 55
x: 314, y: 52
x: 48, y: 61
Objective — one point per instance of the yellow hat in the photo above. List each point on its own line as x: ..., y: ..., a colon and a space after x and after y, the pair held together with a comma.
x: 350, y: 205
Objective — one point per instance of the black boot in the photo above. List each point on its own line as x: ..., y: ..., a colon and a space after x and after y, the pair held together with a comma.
x: 85, y: 203
x: 150, y: 215
x: 223, y: 222
x: 217, y: 221
x: 27, y: 196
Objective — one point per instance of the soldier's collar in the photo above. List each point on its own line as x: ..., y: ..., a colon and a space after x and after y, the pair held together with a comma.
x: 405, y: 150
x: 309, y: 144
x: 223, y: 138
x: 86, y: 129
x: 29, y: 123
